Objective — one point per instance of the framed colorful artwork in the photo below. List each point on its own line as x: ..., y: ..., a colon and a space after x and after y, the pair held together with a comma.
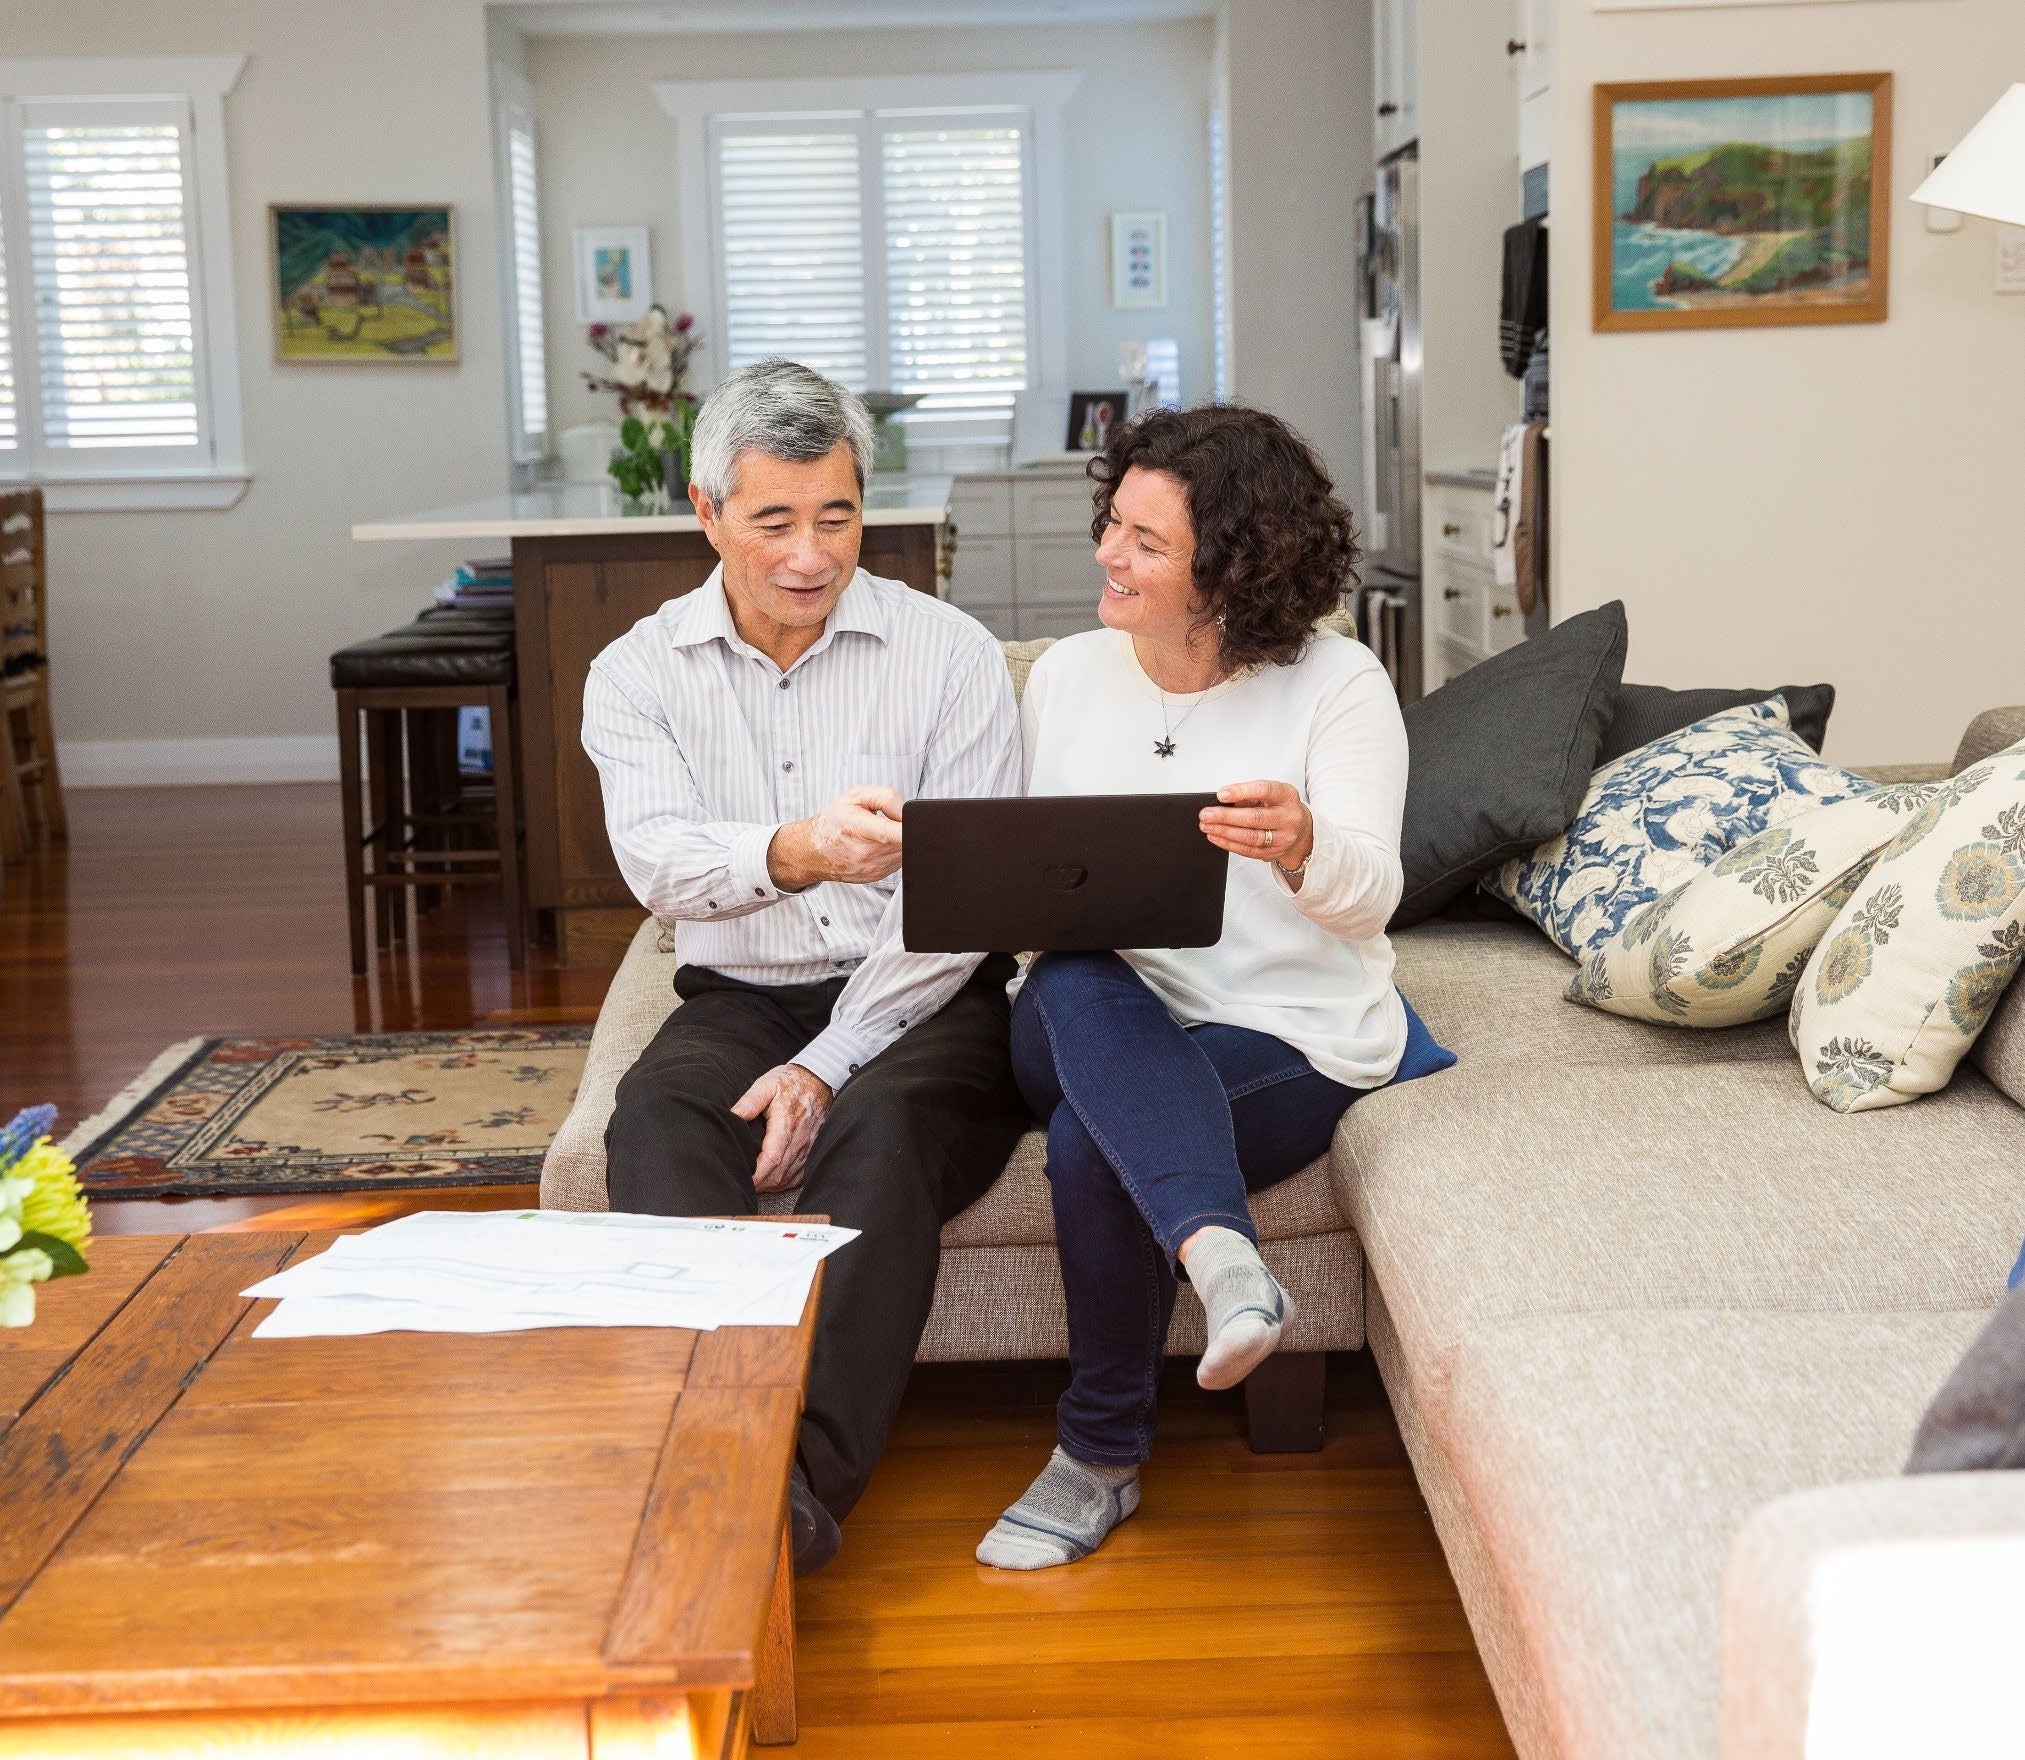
x: 1139, y: 259
x: 1742, y: 201
x: 615, y: 282
x: 1092, y: 416
x: 363, y: 283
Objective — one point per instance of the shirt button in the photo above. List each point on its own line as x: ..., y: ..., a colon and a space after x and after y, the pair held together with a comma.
x: 789, y: 765
x: 713, y: 904
x: 783, y: 684
x: 903, y: 1023
x: 854, y: 1069
x: 825, y: 921
x: 757, y: 892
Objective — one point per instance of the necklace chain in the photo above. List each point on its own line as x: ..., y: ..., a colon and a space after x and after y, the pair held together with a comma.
x: 1164, y: 746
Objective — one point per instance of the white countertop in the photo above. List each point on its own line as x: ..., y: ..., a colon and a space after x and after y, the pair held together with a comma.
x: 586, y: 510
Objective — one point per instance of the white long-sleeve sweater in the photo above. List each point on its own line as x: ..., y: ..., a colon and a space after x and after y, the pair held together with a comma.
x: 1311, y: 967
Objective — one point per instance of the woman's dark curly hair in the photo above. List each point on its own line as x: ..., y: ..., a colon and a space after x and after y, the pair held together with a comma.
x: 1274, y: 549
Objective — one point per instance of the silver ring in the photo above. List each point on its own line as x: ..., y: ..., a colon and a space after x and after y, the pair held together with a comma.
x: 1269, y: 840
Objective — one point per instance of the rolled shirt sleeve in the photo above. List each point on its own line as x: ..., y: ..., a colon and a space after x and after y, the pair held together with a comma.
x: 680, y: 863
x: 974, y: 751
x: 1356, y: 789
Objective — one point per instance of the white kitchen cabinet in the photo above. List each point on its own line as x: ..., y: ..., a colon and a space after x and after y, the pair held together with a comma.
x: 1395, y: 74
x: 1023, y: 564
x: 1472, y: 616
x: 1532, y: 47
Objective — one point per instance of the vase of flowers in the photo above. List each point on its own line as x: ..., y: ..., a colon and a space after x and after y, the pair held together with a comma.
x: 649, y: 359
x: 45, y: 1224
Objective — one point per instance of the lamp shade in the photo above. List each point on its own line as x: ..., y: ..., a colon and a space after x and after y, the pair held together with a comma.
x: 1986, y: 174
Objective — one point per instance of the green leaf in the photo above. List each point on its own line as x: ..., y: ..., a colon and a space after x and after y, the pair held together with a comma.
x: 69, y: 1262
x: 632, y: 433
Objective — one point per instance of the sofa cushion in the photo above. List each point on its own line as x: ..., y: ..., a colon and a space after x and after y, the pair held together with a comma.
x: 2000, y: 1050
x: 1910, y: 971
x: 1520, y: 1189
x: 1729, y: 944
x: 1646, y: 712
x: 1611, y: 1459
x: 1492, y: 993
x: 1501, y: 754
x: 1656, y: 815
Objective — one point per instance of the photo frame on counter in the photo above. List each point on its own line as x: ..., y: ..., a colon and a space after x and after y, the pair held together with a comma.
x: 369, y: 282
x: 1742, y: 202
x: 614, y: 273
x: 1139, y: 258
x: 1092, y: 417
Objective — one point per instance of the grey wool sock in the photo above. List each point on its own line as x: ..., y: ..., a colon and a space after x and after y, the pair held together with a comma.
x: 1243, y: 1306
x: 1062, y: 1516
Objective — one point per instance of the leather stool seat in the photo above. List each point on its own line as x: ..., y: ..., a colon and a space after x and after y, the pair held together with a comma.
x: 442, y: 652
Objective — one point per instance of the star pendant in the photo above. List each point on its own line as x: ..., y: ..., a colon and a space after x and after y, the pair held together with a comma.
x: 1163, y: 748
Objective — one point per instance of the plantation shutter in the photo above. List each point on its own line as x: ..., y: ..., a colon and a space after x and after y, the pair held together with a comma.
x: 10, y: 440
x: 530, y: 349
x: 956, y: 276
x: 111, y: 273
x: 792, y: 223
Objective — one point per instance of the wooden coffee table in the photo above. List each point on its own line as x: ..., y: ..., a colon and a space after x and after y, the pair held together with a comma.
x: 566, y: 1542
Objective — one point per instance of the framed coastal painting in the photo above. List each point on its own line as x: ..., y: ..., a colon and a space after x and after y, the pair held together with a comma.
x: 614, y: 284
x: 1744, y: 201
x: 364, y: 283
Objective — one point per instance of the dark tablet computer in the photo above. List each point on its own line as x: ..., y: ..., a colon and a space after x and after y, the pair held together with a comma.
x: 1068, y: 873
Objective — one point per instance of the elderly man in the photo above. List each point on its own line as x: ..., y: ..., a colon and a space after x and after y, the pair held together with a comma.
x: 757, y: 740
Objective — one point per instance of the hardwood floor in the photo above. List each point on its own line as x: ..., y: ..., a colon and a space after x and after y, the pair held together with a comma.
x: 1291, y: 1605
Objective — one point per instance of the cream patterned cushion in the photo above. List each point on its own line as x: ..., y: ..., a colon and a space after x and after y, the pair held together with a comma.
x: 1728, y: 946
x: 1909, y: 972
x: 1655, y: 817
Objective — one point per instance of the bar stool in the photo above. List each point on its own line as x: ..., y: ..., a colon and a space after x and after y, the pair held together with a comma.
x: 31, y: 791
x: 411, y: 819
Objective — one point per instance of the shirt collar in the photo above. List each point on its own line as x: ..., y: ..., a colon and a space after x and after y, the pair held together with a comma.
x: 705, y: 616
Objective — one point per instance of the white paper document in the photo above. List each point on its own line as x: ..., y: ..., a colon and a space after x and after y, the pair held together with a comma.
x: 515, y: 1270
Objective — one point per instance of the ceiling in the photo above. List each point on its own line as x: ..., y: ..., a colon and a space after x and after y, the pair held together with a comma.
x: 583, y: 18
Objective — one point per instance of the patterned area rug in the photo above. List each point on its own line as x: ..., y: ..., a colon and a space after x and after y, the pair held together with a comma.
x: 339, y: 1113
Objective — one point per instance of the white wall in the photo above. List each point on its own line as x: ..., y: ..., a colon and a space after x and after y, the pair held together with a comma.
x: 1299, y: 75
x: 215, y: 627
x: 1135, y: 136
x: 1835, y: 502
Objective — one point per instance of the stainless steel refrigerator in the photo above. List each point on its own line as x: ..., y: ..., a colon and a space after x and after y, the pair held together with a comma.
x: 1389, y: 609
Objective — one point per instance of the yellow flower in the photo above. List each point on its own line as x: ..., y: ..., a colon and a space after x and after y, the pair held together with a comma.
x: 56, y: 1205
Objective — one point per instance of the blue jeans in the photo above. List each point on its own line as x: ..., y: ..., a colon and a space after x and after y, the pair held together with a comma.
x: 1154, y: 1131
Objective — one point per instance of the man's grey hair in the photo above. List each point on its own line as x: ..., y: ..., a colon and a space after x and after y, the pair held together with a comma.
x: 783, y: 409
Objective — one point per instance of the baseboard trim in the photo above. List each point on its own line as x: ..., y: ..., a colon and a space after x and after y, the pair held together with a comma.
x: 191, y: 763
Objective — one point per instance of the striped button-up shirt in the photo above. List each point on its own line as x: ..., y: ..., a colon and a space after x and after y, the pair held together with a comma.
x: 706, y: 748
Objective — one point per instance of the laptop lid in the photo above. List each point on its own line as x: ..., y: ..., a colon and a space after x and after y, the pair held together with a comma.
x: 1065, y: 873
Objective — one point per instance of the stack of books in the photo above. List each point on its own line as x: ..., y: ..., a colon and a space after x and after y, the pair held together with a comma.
x: 484, y: 583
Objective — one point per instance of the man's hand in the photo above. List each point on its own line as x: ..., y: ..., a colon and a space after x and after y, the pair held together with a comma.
x: 855, y: 838
x: 795, y: 1103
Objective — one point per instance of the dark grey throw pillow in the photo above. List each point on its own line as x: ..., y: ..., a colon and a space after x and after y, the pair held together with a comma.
x: 1646, y: 712
x: 1978, y: 1418
x: 1498, y: 759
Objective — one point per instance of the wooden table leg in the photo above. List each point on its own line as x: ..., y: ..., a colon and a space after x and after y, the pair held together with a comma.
x: 774, y: 1724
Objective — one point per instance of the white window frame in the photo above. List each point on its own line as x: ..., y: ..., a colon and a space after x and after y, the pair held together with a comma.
x: 201, y: 83
x: 514, y: 104
x: 694, y: 104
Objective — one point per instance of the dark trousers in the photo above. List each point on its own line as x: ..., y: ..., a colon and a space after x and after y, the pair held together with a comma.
x: 912, y: 1139
x: 1154, y: 1131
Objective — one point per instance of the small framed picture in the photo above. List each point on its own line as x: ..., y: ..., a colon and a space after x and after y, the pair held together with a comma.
x: 1742, y: 201
x: 1092, y: 416
x: 615, y: 282
x: 363, y: 282
x: 1139, y: 258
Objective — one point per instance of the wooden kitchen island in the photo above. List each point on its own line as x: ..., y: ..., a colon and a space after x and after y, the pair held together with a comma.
x: 584, y: 572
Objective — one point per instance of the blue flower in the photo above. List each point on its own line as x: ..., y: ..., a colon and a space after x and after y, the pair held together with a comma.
x: 23, y: 1132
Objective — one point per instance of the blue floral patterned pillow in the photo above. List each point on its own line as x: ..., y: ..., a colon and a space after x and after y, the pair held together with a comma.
x: 1655, y: 816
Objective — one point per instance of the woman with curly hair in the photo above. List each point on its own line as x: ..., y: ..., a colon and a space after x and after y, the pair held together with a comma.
x: 1175, y: 1081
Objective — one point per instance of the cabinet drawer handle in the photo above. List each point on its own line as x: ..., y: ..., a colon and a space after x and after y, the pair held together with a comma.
x: 1450, y: 531
x: 1501, y: 611
x: 1388, y: 108
x: 1453, y: 593
x: 1513, y: 46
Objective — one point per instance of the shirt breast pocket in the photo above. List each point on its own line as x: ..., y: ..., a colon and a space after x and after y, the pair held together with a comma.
x: 900, y: 771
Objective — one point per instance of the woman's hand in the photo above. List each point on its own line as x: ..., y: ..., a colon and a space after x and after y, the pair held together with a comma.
x: 1267, y: 821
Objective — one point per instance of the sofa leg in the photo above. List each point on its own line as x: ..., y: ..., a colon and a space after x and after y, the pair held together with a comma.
x: 1283, y: 1402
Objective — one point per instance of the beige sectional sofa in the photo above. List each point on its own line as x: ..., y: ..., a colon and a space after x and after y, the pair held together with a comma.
x: 1633, y: 1292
